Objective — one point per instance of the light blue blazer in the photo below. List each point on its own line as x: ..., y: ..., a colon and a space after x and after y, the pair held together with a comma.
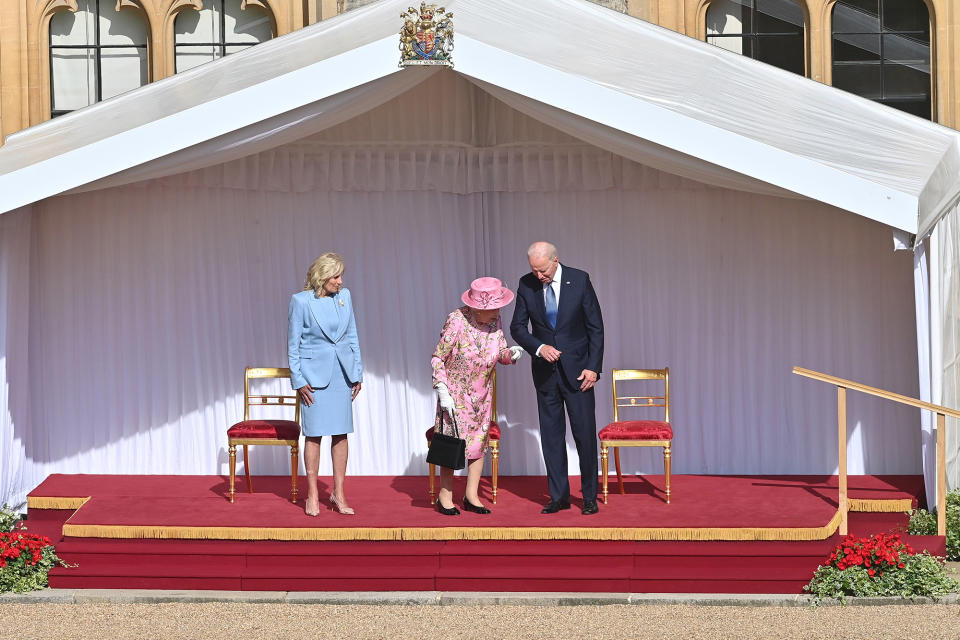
x: 312, y: 353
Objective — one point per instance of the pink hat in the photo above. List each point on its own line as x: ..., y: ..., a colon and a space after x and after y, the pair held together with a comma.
x: 487, y: 293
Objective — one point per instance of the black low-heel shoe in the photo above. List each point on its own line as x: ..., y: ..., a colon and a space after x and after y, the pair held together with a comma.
x: 452, y: 511
x: 469, y: 506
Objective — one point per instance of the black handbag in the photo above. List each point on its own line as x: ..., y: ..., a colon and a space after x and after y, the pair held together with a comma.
x: 447, y: 451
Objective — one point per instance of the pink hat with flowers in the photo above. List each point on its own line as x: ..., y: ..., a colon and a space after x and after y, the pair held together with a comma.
x: 487, y: 293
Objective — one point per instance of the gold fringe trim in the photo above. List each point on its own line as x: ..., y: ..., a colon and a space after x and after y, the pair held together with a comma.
x: 880, y: 506
x: 229, y: 533
x: 450, y: 533
x: 50, y: 502
x: 625, y: 533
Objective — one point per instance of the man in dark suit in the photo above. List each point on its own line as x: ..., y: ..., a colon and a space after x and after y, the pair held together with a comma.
x: 557, y: 320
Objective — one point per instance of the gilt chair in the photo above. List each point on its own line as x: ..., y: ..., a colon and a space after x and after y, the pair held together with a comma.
x: 493, y: 440
x: 637, y: 433
x: 284, y: 433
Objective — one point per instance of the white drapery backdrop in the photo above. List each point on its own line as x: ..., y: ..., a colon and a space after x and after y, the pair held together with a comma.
x: 130, y: 312
x: 947, y: 237
x: 937, y: 292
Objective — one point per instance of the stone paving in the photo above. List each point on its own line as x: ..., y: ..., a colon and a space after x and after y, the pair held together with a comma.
x: 447, y: 598
x: 280, y: 620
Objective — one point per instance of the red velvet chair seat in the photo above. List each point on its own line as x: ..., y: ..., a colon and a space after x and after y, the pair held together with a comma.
x: 266, y: 429
x: 637, y: 430
x: 493, y: 432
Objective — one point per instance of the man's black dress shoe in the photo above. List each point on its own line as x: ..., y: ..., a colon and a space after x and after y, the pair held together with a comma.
x: 589, y: 507
x: 452, y: 511
x: 554, y: 505
x: 469, y: 506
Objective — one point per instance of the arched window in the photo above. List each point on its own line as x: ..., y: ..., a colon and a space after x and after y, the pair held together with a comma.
x: 881, y: 51
x: 96, y: 52
x: 767, y: 30
x: 220, y: 28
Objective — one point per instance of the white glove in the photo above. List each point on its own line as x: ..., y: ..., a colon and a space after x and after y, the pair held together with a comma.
x: 446, y: 401
x: 515, y: 353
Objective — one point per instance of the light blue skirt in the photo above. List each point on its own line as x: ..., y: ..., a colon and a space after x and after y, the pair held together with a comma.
x: 331, y: 413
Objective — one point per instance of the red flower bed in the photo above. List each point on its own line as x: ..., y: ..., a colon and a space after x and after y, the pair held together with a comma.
x: 876, y: 554
x: 29, y: 546
x: 881, y: 565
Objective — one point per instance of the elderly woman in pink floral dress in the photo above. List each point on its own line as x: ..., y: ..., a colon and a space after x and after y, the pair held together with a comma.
x: 471, y: 344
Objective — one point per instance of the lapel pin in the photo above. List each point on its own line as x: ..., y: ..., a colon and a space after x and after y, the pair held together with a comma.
x: 341, y: 302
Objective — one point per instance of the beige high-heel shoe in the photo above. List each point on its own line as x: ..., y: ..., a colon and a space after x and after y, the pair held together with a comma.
x: 347, y: 511
x: 310, y: 512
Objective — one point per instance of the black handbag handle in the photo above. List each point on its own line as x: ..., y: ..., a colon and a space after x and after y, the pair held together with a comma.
x: 453, y: 419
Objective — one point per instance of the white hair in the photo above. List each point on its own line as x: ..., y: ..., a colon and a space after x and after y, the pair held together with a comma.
x: 544, y: 249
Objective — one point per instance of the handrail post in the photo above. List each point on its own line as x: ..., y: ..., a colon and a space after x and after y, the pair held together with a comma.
x: 941, y: 474
x: 941, y: 411
x: 842, y: 445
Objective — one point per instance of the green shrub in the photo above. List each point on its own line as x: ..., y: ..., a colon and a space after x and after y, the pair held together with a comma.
x: 25, y: 561
x: 9, y: 520
x: 924, y: 523
x: 25, y: 558
x: 881, y: 565
x: 921, y: 575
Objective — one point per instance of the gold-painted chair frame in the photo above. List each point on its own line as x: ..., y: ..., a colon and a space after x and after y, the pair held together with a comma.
x: 620, y: 375
x: 260, y: 373
x: 494, y: 454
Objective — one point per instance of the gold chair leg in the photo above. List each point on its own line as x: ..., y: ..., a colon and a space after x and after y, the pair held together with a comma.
x: 604, y: 468
x: 494, y: 466
x: 246, y: 469
x: 233, y: 470
x: 616, y: 459
x: 294, y: 460
x: 667, y: 454
x: 433, y: 481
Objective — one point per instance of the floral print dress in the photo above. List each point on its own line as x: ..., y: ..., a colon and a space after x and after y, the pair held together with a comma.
x: 464, y: 360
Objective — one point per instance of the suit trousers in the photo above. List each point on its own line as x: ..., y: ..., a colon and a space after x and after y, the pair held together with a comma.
x: 552, y: 395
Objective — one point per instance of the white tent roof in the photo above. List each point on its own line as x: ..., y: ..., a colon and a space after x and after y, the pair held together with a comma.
x: 643, y: 92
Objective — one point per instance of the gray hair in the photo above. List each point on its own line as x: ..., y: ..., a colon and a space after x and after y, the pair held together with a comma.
x: 544, y: 249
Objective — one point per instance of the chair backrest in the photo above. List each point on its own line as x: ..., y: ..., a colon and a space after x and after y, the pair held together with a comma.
x: 257, y: 373
x: 623, y: 400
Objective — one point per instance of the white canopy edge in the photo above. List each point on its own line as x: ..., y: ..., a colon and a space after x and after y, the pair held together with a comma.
x: 942, y: 193
x: 701, y: 142
x: 178, y: 131
x: 686, y: 135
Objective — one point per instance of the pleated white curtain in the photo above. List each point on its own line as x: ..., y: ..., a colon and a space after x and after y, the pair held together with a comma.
x: 130, y: 312
x: 937, y: 298
x: 945, y: 311
x: 17, y: 472
x: 731, y: 291
x: 925, y: 358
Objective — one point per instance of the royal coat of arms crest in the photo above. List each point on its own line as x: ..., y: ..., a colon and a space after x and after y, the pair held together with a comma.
x: 426, y: 36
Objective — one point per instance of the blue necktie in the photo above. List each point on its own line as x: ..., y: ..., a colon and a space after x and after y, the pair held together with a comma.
x: 551, y: 306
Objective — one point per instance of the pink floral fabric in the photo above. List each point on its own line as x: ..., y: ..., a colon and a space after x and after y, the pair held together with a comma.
x: 464, y: 360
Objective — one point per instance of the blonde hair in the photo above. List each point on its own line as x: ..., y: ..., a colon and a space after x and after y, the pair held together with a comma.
x: 329, y: 265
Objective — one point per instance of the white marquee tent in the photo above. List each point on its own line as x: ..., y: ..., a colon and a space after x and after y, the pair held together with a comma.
x: 151, y: 242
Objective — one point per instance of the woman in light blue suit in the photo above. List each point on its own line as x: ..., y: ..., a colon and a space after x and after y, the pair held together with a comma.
x: 326, y: 370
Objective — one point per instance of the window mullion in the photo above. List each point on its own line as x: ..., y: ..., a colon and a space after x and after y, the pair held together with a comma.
x: 883, y: 58
x: 98, y: 64
x: 223, y: 28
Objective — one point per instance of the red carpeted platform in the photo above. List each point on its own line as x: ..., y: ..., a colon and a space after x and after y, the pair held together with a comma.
x: 398, y: 508
x: 156, y: 508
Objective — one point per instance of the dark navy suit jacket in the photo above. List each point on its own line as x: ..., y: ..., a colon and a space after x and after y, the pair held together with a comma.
x: 579, y: 331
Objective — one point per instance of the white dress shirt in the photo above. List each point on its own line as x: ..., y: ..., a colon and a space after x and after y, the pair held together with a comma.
x: 555, y: 283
